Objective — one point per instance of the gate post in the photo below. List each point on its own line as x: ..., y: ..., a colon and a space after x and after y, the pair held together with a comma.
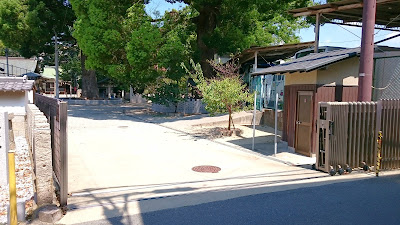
x: 377, y: 129
x: 63, y: 107
x: 4, y: 147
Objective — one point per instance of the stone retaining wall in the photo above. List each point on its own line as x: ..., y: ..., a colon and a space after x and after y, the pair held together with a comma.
x: 137, y: 98
x: 268, y: 118
x: 38, y: 134
x: 190, y: 106
x: 116, y: 101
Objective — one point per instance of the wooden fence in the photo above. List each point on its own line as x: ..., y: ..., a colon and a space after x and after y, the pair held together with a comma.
x: 56, y: 113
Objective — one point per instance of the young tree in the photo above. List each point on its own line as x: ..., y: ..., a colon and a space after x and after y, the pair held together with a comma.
x: 224, y: 93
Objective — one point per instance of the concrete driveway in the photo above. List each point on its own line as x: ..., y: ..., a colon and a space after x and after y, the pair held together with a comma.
x: 120, y: 165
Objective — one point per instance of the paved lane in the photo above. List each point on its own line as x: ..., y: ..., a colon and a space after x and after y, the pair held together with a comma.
x: 368, y: 201
x: 121, y: 166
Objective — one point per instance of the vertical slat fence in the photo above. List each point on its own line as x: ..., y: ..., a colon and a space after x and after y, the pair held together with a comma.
x: 56, y: 113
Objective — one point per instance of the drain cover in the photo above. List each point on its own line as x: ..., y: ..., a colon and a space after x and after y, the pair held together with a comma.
x: 206, y: 169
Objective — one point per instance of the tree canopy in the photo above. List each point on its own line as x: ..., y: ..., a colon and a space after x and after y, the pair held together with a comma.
x: 29, y: 26
x: 230, y: 26
x: 128, y: 45
x: 119, y: 38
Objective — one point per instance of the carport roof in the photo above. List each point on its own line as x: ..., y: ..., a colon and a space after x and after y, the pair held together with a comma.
x: 273, y: 53
x: 310, y: 62
x: 351, y: 11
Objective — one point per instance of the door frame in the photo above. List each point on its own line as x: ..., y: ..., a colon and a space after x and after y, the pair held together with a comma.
x: 309, y: 93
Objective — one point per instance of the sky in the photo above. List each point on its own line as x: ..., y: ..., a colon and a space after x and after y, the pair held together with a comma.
x: 330, y: 34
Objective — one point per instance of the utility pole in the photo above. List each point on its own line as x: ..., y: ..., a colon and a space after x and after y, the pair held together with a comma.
x: 8, y: 70
x: 367, y: 51
x: 56, y: 62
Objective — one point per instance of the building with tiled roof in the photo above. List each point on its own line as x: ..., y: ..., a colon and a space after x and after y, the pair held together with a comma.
x: 15, y: 93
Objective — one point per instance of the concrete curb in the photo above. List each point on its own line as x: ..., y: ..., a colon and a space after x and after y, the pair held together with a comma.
x: 242, y: 149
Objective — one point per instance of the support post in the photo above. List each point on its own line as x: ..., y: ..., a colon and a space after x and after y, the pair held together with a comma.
x: 276, y: 123
x: 261, y: 91
x: 8, y: 69
x: 255, y: 101
x: 56, y: 63
x: 317, y: 26
x: 63, y: 107
x: 254, y: 120
x: 4, y: 148
x: 367, y: 51
x: 13, y: 189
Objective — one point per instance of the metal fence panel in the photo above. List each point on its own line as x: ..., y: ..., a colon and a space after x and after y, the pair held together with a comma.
x: 390, y: 126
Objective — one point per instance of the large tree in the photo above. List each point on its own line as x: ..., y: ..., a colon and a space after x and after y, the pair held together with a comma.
x: 118, y: 39
x: 29, y: 25
x: 229, y: 26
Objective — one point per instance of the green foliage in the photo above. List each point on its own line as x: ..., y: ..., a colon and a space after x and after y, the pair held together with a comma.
x: 224, y: 93
x: 142, y: 47
x: 127, y: 45
x: 28, y: 26
x: 179, y: 37
x: 99, y: 30
x: 235, y: 25
x: 71, y: 69
x: 13, y: 16
x: 168, y: 93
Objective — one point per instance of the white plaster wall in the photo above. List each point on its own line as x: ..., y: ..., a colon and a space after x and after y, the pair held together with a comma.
x: 13, y: 102
x: 30, y: 96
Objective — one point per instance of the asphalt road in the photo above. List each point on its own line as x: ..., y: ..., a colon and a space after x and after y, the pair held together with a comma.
x: 368, y: 201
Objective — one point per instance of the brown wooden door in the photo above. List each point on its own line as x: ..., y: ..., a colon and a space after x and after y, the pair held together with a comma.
x: 304, y: 122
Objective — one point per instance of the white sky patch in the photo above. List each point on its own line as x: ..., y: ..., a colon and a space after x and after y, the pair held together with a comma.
x: 327, y: 41
x: 395, y: 42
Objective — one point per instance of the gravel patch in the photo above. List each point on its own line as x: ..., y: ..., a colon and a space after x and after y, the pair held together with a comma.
x: 24, y: 180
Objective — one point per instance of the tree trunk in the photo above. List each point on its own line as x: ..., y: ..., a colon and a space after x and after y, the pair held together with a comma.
x: 206, y: 23
x: 230, y: 119
x: 89, y: 81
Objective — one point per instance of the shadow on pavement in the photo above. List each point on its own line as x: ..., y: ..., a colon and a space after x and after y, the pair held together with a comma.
x: 284, y: 203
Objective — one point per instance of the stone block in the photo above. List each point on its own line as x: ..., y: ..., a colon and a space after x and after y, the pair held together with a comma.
x: 50, y: 214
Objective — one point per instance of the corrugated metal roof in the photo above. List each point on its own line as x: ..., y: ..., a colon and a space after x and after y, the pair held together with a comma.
x: 15, y: 84
x: 273, y: 52
x: 310, y: 62
x: 22, y: 63
x: 387, y: 12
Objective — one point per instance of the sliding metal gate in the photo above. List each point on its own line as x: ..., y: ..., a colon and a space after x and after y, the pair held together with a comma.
x: 347, y: 134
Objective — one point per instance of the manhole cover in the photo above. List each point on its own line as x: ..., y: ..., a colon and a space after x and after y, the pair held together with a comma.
x: 206, y: 169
